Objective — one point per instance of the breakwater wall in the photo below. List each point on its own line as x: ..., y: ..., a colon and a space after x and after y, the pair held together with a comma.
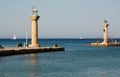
x: 28, y: 50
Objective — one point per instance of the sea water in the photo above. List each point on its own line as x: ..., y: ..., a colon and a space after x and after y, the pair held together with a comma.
x: 78, y: 60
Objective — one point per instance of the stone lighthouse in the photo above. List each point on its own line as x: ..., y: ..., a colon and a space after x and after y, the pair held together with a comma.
x: 34, y: 18
x: 105, y: 33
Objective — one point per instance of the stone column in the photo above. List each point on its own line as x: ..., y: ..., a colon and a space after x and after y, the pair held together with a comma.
x: 105, y: 33
x: 34, y: 42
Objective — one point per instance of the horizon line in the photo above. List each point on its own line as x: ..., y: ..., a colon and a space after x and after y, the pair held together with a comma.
x: 65, y: 38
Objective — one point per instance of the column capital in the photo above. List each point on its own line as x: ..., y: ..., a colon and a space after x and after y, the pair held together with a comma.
x: 106, y: 25
x: 34, y: 17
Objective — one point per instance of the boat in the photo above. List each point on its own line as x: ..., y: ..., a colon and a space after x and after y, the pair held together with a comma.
x: 81, y: 38
x: 14, y: 37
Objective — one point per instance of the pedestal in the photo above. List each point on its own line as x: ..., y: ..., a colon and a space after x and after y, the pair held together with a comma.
x: 34, y: 45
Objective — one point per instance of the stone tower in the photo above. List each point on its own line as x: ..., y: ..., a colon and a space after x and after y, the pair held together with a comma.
x: 105, y: 33
x: 34, y: 18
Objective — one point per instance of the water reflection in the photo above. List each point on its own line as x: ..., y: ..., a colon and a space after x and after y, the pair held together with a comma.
x: 34, y: 59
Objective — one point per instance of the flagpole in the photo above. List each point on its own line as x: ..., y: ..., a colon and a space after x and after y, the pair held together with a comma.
x: 26, y: 30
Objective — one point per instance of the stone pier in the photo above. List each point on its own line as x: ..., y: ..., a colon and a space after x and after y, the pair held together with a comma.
x: 28, y: 50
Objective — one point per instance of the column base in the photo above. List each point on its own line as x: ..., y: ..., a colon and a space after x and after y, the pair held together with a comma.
x: 34, y: 45
x: 104, y: 43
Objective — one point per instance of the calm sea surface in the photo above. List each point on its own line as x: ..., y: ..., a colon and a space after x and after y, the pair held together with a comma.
x: 78, y: 60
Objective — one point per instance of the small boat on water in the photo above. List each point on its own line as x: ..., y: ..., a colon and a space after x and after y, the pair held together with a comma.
x: 81, y: 38
x: 14, y: 37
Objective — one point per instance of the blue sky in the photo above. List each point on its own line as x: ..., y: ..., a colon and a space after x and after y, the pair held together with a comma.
x: 60, y: 18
